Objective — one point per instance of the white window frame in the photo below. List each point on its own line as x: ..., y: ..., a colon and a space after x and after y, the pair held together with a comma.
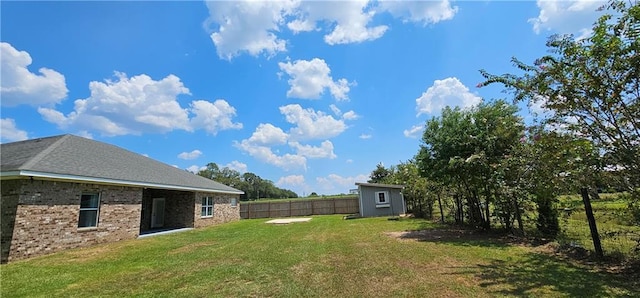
x: 207, y: 207
x: 387, y: 199
x: 89, y: 209
x: 234, y: 202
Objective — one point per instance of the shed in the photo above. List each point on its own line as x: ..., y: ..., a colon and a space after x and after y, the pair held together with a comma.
x: 380, y: 199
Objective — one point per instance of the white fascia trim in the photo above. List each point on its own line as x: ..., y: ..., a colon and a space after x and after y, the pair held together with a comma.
x: 111, y: 181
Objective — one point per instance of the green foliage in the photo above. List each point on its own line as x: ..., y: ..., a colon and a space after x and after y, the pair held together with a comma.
x: 465, y: 150
x: 379, y: 174
x: 253, y: 186
x: 592, y: 86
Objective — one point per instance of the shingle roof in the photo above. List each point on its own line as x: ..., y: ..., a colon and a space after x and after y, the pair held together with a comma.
x: 78, y: 158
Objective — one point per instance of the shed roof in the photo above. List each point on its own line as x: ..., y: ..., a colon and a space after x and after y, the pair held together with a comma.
x: 380, y: 185
x: 69, y: 157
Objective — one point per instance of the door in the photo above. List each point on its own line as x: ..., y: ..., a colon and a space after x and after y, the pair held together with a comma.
x: 157, y: 213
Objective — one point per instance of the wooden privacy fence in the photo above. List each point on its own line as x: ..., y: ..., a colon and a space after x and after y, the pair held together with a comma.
x: 299, y: 208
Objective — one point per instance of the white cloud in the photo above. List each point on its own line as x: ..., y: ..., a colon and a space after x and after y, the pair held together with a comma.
x: 291, y: 180
x: 350, y: 115
x: 447, y: 92
x: 325, y: 150
x: 308, y: 124
x: 349, y: 20
x: 213, y: 117
x: 20, y: 86
x: 349, y: 160
x: 425, y: 12
x: 365, y: 136
x: 247, y: 26
x: 195, y: 169
x: 414, y: 131
x: 238, y: 166
x: 265, y: 154
x: 255, y: 27
x: 10, y: 132
x: 86, y: 134
x: 309, y: 79
x: 336, y: 183
x: 311, y: 124
x: 140, y: 104
x: 190, y: 155
x: 562, y: 16
x: 335, y: 110
x: 267, y: 134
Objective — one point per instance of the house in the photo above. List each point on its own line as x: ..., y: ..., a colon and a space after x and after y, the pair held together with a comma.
x: 380, y: 199
x: 66, y: 191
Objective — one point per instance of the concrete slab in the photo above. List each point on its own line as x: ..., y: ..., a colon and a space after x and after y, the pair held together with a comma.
x: 288, y: 220
x: 163, y: 232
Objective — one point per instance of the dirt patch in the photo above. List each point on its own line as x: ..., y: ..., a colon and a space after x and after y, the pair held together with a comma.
x: 449, y: 234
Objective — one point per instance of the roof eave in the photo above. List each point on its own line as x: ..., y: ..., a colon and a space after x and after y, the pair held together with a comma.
x: 380, y: 185
x: 73, y: 178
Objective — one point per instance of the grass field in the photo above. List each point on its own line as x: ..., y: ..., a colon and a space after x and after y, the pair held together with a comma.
x: 325, y: 257
x: 619, y: 236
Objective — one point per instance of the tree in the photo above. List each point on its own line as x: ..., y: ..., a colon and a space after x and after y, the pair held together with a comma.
x: 463, y: 149
x: 251, y: 184
x: 591, y: 85
x: 379, y: 174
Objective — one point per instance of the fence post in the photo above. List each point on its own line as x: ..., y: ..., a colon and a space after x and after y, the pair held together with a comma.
x: 592, y: 222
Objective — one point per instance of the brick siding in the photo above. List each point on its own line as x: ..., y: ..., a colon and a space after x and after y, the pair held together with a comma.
x: 41, y: 217
x: 46, y: 216
x: 222, y: 210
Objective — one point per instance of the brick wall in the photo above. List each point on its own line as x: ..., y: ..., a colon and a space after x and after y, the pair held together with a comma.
x: 222, y: 210
x: 46, y: 216
x: 8, y: 205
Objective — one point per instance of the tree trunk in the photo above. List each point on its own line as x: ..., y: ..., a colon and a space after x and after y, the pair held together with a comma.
x: 441, y: 211
x: 592, y: 222
x: 518, y: 216
x: 487, y: 224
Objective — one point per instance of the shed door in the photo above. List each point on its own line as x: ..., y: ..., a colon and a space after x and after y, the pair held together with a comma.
x: 157, y: 213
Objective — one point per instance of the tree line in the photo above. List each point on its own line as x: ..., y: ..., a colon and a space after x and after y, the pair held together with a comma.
x: 253, y: 186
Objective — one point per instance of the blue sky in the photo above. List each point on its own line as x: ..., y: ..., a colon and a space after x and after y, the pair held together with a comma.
x: 310, y: 95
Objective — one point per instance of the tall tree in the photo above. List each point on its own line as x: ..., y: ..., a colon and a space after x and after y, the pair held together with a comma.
x: 591, y: 85
x: 379, y: 174
x: 463, y: 149
x: 592, y: 88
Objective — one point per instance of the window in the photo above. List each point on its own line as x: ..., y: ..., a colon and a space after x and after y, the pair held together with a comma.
x: 382, y: 199
x: 234, y: 202
x: 89, y: 210
x: 207, y: 207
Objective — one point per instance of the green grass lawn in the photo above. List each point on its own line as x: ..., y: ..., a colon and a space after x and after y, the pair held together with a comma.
x: 617, y: 233
x: 325, y: 257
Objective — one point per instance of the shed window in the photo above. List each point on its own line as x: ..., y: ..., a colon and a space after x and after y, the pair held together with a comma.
x: 234, y: 202
x: 89, y: 210
x: 382, y: 197
x: 207, y: 207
